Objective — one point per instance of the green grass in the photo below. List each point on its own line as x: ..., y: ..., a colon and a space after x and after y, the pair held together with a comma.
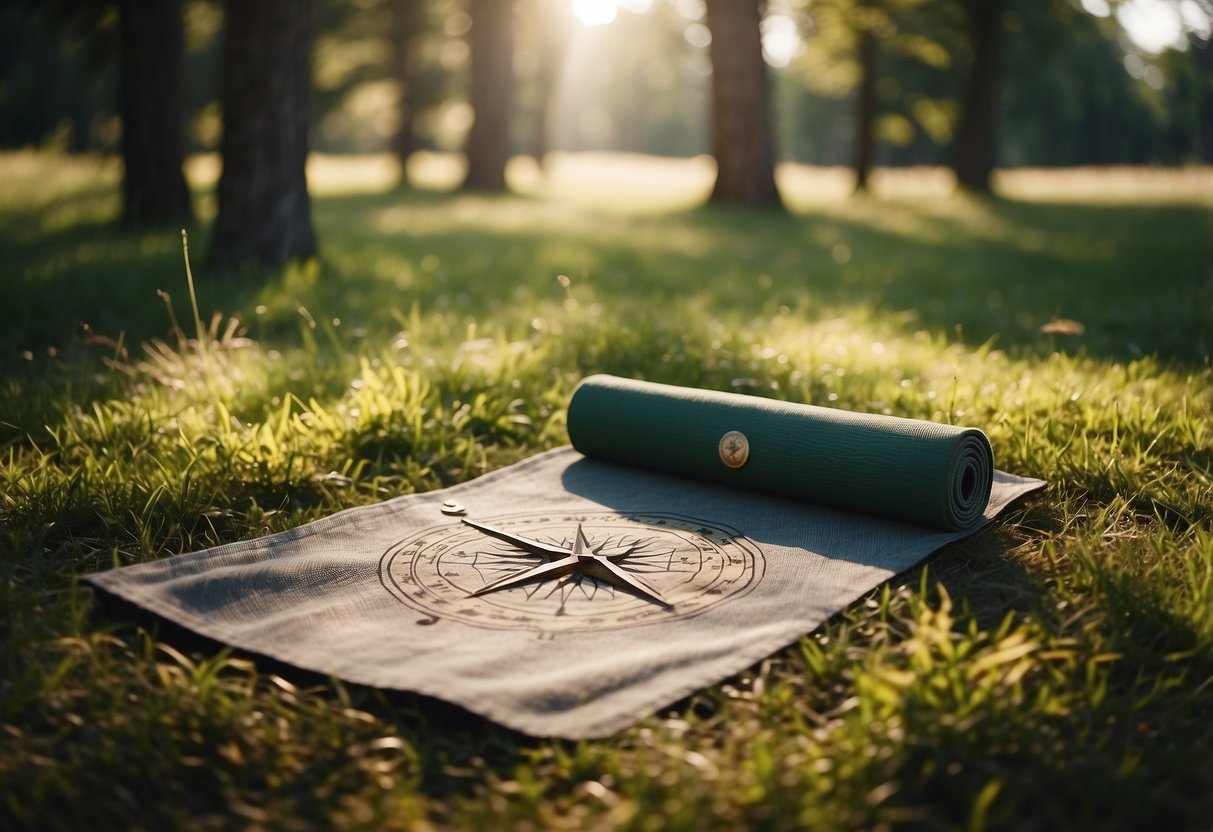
x: 1054, y: 671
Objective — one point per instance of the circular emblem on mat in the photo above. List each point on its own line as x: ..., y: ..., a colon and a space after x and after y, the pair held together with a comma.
x: 569, y: 571
x: 734, y: 449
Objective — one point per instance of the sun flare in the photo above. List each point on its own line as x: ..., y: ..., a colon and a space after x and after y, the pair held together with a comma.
x: 596, y: 12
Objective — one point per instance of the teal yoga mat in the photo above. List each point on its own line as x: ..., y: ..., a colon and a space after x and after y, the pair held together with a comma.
x: 921, y: 472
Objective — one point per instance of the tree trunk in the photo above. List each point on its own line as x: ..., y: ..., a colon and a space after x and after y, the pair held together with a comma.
x: 151, y: 101
x: 491, y: 42
x: 539, y: 141
x: 865, y: 124
x: 741, y: 123
x: 1204, y: 127
x: 264, y: 211
x: 553, y: 46
x: 977, y: 134
x: 407, y: 21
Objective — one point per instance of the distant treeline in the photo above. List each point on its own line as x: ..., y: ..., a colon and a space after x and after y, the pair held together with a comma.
x: 1071, y: 89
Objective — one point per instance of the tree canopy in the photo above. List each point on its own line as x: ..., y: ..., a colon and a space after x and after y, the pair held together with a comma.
x: 974, y: 84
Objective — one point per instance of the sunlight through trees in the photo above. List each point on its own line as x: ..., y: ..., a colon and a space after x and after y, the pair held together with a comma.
x: 966, y: 85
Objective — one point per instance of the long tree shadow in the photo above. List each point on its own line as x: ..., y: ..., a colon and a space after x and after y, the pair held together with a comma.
x: 985, y: 271
x: 971, y: 272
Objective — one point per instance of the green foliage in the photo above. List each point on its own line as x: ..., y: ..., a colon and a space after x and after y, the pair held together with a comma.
x: 54, y: 86
x: 1052, y: 671
x: 1068, y: 97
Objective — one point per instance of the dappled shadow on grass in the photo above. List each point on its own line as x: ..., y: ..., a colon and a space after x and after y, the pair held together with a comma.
x: 1087, y: 738
x: 456, y: 749
x: 982, y: 577
x: 996, y: 270
x: 99, y: 278
x: 972, y: 271
x: 173, y: 730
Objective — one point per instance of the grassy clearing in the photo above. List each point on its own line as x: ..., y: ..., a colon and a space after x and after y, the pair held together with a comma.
x: 1056, y: 670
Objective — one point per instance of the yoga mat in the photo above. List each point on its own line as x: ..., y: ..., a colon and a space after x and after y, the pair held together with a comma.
x: 922, y: 472
x: 427, y: 593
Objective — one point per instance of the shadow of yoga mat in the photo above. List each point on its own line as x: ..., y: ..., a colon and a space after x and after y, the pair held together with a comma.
x: 393, y: 595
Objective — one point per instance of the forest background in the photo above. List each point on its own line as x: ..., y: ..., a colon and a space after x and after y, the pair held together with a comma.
x: 1078, y: 84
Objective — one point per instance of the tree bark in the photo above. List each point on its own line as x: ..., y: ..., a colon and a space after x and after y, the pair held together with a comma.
x: 865, y: 124
x: 151, y: 97
x: 1204, y: 128
x: 407, y: 22
x: 977, y: 134
x: 553, y: 46
x: 264, y: 210
x: 741, y: 122
x: 491, y: 44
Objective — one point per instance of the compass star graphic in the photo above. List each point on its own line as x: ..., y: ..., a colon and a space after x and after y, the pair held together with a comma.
x: 562, y: 571
x: 599, y: 563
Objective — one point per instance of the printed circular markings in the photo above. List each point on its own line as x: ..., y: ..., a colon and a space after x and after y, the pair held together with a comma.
x: 693, y: 564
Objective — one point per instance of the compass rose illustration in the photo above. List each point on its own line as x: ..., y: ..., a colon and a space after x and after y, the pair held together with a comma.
x: 568, y: 571
x: 581, y: 557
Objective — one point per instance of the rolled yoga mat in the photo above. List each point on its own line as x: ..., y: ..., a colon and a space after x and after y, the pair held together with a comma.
x: 922, y: 472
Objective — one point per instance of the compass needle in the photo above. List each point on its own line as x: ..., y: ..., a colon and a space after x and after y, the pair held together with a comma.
x: 544, y: 570
x: 524, y: 543
x: 625, y: 579
x: 582, y: 545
